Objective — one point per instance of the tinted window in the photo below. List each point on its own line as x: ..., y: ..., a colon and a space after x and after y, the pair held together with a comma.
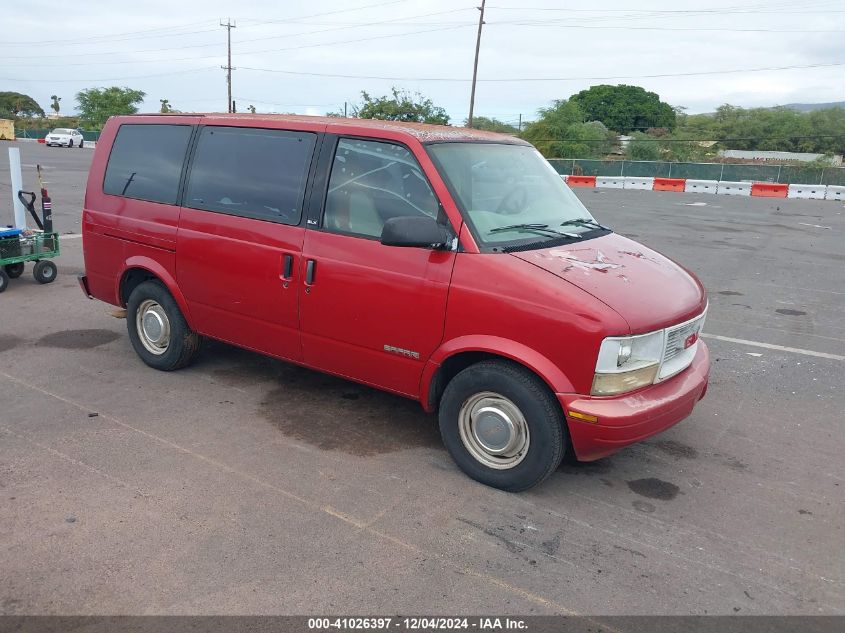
x: 251, y: 172
x: 372, y: 182
x: 146, y: 162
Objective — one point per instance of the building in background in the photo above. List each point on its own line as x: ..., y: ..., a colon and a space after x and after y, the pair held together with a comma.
x: 802, y: 157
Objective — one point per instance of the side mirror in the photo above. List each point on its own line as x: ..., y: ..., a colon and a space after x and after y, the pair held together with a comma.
x: 416, y: 231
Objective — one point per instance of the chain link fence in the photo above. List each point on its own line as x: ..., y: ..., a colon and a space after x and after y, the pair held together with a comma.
x: 36, y: 133
x: 788, y: 174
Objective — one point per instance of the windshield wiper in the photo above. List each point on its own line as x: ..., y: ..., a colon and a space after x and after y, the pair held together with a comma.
x: 584, y: 222
x: 538, y: 228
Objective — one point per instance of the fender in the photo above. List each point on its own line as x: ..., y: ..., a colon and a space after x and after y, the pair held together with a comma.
x: 164, y: 275
x: 550, y: 373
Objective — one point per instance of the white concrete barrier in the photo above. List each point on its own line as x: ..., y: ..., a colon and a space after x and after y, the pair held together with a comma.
x: 834, y: 192
x: 701, y: 186
x: 730, y: 188
x: 610, y: 182
x: 635, y: 182
x: 814, y: 192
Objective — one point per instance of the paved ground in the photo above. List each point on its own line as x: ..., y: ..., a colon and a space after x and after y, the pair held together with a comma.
x: 243, y: 485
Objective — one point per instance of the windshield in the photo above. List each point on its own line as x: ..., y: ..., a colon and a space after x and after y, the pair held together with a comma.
x: 510, y: 194
x: 61, y: 130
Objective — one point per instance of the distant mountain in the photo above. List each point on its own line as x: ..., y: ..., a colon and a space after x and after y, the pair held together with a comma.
x: 809, y: 107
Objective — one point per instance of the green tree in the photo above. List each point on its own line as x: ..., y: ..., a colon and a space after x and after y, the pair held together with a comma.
x: 14, y: 105
x: 562, y: 132
x: 642, y: 146
x: 400, y: 106
x: 96, y: 105
x: 55, y: 105
x: 492, y: 125
x: 165, y: 106
x: 625, y: 108
x: 770, y: 129
x: 251, y: 109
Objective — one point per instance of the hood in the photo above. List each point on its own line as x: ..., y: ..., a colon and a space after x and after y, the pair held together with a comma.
x: 647, y: 289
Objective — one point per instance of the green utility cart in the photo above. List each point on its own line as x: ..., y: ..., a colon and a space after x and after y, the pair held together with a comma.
x: 17, y: 248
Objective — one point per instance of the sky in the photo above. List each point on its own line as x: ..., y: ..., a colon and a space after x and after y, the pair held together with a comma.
x: 310, y: 58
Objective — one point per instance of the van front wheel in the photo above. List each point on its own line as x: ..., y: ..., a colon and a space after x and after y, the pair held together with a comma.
x: 158, y: 330
x: 502, y: 425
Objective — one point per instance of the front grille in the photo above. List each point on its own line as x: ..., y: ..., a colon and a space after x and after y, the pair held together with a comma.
x: 677, y: 355
x: 676, y: 337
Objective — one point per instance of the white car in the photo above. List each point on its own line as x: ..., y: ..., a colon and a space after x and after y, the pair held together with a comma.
x: 64, y: 137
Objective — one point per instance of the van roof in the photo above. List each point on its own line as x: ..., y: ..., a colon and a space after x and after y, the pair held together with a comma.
x: 425, y: 132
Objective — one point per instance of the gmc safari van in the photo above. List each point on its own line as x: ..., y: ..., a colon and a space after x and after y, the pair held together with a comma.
x: 447, y: 265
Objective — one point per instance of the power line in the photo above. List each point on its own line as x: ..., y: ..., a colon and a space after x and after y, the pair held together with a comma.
x: 320, y: 15
x: 552, y: 24
x: 679, y: 12
x: 99, y: 39
x: 121, y: 78
x: 392, y: 22
x: 528, y: 79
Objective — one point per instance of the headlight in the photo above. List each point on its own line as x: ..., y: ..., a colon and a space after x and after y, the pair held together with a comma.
x: 627, y: 363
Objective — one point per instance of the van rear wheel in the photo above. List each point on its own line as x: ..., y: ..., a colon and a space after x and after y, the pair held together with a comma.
x: 158, y: 330
x: 502, y: 425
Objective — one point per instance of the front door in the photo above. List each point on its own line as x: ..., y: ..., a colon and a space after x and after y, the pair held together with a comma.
x: 371, y: 312
x: 239, y: 239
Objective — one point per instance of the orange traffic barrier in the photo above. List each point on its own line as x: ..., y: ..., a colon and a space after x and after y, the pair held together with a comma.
x: 581, y: 181
x: 42, y: 140
x: 670, y: 184
x: 769, y: 190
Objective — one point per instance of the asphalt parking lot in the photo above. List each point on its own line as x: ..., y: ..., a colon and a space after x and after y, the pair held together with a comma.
x: 242, y: 485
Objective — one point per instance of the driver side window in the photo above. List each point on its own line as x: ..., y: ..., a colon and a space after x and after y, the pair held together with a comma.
x: 372, y: 182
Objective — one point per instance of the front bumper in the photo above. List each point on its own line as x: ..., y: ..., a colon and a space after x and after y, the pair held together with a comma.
x: 626, y: 419
x: 62, y: 142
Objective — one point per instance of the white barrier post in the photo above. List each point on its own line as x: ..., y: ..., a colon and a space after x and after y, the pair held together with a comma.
x: 807, y: 192
x: 17, y: 185
x: 834, y: 192
x: 635, y: 182
x: 610, y: 182
x: 729, y: 188
x: 701, y: 186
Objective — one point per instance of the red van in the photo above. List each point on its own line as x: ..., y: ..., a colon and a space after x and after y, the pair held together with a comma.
x: 443, y: 264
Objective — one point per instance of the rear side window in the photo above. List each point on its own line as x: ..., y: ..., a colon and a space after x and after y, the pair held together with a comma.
x: 146, y: 162
x: 250, y: 172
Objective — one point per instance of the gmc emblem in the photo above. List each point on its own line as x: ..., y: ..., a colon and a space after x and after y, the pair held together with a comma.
x: 690, y: 340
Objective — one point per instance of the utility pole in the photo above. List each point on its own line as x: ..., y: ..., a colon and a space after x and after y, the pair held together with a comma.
x: 475, y: 65
x: 520, y: 124
x: 228, y: 67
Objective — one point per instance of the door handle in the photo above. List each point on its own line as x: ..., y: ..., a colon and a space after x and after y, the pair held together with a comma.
x: 287, y: 267
x: 309, y: 272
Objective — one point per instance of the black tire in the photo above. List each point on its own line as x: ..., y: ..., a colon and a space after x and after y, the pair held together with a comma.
x: 182, y: 344
x: 81, y: 143
x: 14, y: 270
x: 70, y: 144
x: 4, y: 280
x: 548, y: 438
x: 45, y: 272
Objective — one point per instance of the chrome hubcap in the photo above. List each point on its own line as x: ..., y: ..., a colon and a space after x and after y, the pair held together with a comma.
x: 493, y: 430
x: 153, y: 327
